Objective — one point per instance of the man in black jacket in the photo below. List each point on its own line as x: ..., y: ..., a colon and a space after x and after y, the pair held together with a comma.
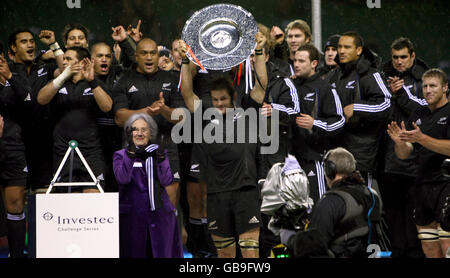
x: 320, y: 117
x: 403, y: 74
x: 339, y: 226
x: 365, y: 100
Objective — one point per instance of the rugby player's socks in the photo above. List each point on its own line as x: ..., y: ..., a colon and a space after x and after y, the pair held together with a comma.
x: 207, y: 242
x: 194, y: 229
x: 16, y: 234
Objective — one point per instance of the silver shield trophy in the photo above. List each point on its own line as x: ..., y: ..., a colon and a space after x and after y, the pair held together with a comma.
x: 221, y: 36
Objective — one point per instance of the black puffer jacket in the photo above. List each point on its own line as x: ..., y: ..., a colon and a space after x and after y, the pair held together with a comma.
x: 361, y: 84
x: 403, y: 103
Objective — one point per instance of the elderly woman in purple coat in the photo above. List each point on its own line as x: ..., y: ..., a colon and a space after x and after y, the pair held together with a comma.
x: 148, y: 224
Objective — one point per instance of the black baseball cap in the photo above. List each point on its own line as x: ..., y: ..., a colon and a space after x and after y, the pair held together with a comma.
x: 332, y: 41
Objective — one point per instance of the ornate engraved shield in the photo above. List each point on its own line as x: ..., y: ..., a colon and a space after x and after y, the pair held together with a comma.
x: 221, y: 36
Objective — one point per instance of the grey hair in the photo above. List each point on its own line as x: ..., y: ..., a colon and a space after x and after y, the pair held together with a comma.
x: 148, y: 119
x: 343, y: 159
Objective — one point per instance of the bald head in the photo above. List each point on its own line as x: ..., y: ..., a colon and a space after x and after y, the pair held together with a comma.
x: 147, y: 56
x: 98, y: 45
x: 145, y: 42
x: 101, y: 55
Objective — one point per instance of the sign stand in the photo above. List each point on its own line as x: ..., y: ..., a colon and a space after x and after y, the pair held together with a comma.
x: 73, y: 146
x: 74, y: 225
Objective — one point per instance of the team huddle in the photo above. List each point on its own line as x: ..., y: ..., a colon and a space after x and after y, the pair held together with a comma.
x: 368, y: 134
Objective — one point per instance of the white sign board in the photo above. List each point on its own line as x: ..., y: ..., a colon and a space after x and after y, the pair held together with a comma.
x: 77, y: 225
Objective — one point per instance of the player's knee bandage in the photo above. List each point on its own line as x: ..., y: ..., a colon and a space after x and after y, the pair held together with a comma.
x: 443, y: 234
x: 428, y: 235
x: 224, y: 243
x: 248, y: 244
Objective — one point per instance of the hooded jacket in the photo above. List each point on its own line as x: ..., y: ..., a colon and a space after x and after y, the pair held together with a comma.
x: 361, y: 84
x: 406, y: 100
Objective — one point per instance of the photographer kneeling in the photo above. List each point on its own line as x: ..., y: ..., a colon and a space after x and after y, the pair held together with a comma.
x: 343, y: 221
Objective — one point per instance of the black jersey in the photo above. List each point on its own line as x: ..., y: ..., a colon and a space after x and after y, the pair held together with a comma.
x: 135, y: 91
x: 39, y: 123
x: 230, y: 166
x: 38, y: 116
x: 107, y: 82
x: 74, y: 109
x: 12, y: 100
x: 435, y: 124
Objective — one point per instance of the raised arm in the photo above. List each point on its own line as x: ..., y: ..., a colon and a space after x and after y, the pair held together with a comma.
x: 259, y: 91
x: 47, y: 93
x: 48, y: 37
x: 127, y: 45
x: 186, y: 79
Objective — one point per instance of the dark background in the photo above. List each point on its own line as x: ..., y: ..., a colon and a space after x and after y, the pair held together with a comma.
x: 426, y: 23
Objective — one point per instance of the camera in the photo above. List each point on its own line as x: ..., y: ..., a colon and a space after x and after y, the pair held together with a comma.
x: 445, y: 213
x: 290, y: 219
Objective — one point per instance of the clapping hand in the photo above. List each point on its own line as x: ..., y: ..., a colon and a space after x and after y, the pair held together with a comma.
x: 5, y: 72
x: 87, y: 69
x: 155, y: 108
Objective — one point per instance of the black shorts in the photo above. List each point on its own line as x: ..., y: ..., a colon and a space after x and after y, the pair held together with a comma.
x: 110, y: 140
x: 198, y: 160
x: 233, y: 213
x: 40, y: 169
x: 428, y: 201
x: 14, y: 169
x: 174, y: 160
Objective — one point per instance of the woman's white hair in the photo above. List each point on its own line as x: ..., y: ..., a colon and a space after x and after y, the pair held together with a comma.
x: 148, y: 119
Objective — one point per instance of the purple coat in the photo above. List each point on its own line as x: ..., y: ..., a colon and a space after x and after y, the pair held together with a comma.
x: 137, y: 222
